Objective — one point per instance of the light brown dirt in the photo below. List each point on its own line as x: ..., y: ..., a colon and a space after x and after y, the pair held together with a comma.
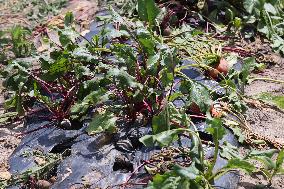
x: 8, y: 140
x: 265, y: 120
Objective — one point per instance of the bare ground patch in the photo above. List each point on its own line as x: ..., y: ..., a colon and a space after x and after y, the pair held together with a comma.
x: 266, y: 120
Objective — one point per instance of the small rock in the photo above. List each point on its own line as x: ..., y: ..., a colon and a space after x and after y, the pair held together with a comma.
x: 5, y: 175
x: 65, y: 123
x: 43, y: 184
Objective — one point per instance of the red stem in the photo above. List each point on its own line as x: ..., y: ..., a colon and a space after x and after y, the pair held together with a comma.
x: 135, y: 170
x: 44, y: 85
x: 240, y: 51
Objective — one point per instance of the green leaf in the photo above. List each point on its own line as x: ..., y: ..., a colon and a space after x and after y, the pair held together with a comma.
x: 264, y: 157
x: 148, y: 11
x: 179, y: 178
x: 270, y: 8
x: 247, y: 68
x: 82, y: 53
x: 167, y: 137
x: 60, y: 66
x: 146, y: 41
x: 268, y: 153
x: 126, y: 53
x: 68, y: 35
x: 268, y: 163
x: 80, y: 108
x: 196, y: 151
x: 69, y: 18
x: 152, y: 63
x: 148, y: 140
x: 167, y: 77
x: 16, y: 73
x: 249, y: 5
x: 125, y: 80
x: 278, y: 44
x: 238, y: 132
x: 240, y: 164
x: 279, y: 160
x: 216, y: 129
x: 277, y: 100
x: 190, y: 172
x: 102, y: 122
x: 169, y: 57
x: 165, y: 181
x: 201, y: 96
x: 161, y: 122
x: 185, y: 87
x: 229, y: 151
x: 164, y: 138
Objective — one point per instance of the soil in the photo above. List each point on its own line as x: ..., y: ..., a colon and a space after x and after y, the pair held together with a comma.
x: 266, y: 120
x: 8, y: 139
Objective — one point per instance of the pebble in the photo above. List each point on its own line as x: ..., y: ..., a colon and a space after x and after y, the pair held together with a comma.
x: 43, y: 184
x: 5, y: 175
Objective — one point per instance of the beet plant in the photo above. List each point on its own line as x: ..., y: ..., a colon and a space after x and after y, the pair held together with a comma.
x: 128, y: 73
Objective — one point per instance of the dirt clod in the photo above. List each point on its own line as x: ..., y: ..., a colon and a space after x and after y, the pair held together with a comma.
x: 43, y: 184
x: 5, y: 175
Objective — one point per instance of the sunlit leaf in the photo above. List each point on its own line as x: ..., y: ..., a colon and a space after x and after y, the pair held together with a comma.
x: 164, y: 138
x: 240, y: 164
x: 148, y: 11
x: 279, y: 160
x: 200, y: 95
x: 249, y: 5
x: 102, y: 122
